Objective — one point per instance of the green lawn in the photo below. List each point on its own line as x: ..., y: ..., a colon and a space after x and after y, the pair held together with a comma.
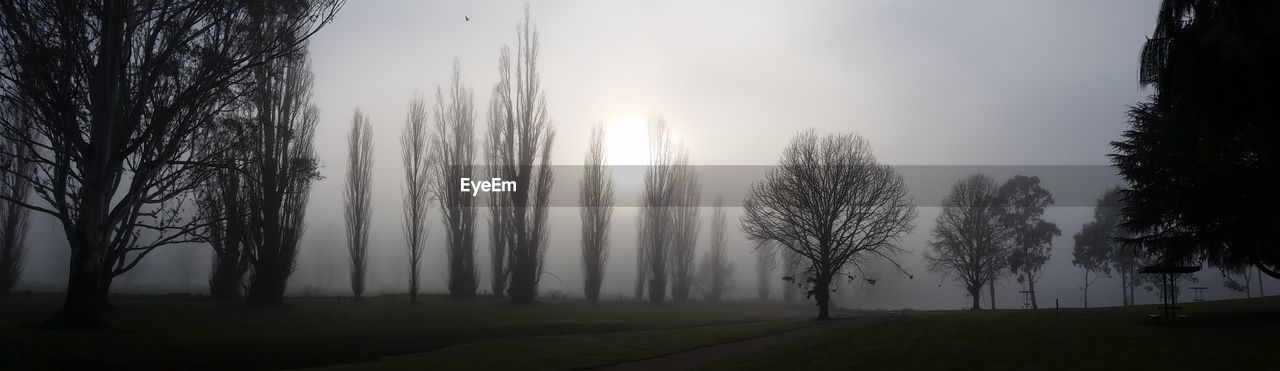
x: 183, y: 332
x: 1223, y: 335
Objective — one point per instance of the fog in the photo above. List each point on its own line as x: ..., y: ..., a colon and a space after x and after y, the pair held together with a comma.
x: 942, y: 89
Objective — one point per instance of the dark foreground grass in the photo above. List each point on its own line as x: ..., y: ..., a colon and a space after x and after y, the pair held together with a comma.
x: 1224, y: 335
x: 562, y: 352
x: 188, y: 332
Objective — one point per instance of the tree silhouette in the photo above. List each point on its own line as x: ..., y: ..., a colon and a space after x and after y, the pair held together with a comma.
x: 15, y: 184
x: 121, y: 94
x: 1093, y: 248
x: 454, y: 147
x: 500, y: 238
x: 524, y: 140
x: 716, y: 270
x: 832, y: 203
x: 1200, y: 153
x: 656, y: 221
x: 1023, y: 202
x: 222, y: 200
x: 968, y: 242
x: 357, y: 194
x: 416, y: 194
x: 281, y: 167
x: 596, y: 209
x: 686, y: 197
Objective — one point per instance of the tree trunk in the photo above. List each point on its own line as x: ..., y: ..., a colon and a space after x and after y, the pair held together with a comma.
x: 992, y: 288
x: 822, y: 292
x: 83, y: 307
x: 1261, y: 293
x: 1124, y: 289
x: 975, y: 292
x: 1031, y: 287
x: 1086, y: 289
x: 104, y: 292
x: 657, y: 291
x: 413, y: 283
x: 524, y: 275
x: 225, y: 282
x: 268, y: 285
x: 224, y: 285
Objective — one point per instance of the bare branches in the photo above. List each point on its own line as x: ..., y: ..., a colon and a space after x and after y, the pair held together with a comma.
x: 830, y: 202
x: 968, y: 241
x: 357, y: 194
x: 500, y: 238
x: 282, y: 167
x: 656, y: 219
x: 121, y: 94
x: 716, y: 272
x: 596, y: 209
x: 417, y: 163
x: 221, y: 200
x: 15, y: 187
x: 686, y: 197
x: 454, y: 146
x: 524, y: 140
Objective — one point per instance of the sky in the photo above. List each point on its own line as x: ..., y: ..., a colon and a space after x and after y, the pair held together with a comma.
x: 1033, y: 84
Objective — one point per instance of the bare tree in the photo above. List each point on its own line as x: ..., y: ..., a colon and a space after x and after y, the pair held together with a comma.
x: 357, y: 193
x: 120, y: 93
x: 766, y: 253
x: 716, y: 270
x: 687, y: 195
x: 525, y: 138
x: 221, y: 200
x: 656, y: 223
x: 281, y: 168
x: 832, y: 203
x: 642, y: 251
x: 596, y: 209
x: 417, y: 187
x: 15, y: 184
x: 499, y: 205
x: 454, y: 154
x: 968, y: 241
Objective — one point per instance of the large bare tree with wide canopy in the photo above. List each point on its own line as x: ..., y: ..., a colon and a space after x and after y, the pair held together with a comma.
x: 121, y: 92
x: 832, y: 203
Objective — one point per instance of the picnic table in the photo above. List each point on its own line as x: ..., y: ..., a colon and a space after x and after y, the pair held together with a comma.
x: 1026, y: 298
x: 1169, y: 309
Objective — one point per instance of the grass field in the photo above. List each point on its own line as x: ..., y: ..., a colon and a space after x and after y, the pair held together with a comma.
x: 1220, y: 335
x: 183, y: 332
x: 187, y: 332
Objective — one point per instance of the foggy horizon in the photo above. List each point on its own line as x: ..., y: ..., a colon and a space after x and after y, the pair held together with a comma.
x: 947, y: 92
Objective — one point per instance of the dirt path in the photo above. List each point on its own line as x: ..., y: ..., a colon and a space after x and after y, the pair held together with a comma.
x: 698, y: 356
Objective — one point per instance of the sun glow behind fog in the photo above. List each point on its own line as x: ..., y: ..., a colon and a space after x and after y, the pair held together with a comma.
x: 626, y: 142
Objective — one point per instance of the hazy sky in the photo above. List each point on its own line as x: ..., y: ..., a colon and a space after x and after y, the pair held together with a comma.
x: 926, y: 82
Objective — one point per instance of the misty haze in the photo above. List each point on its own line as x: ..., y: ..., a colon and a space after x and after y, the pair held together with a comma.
x: 202, y: 184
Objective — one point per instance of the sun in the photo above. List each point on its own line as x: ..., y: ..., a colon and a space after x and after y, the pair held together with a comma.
x: 626, y: 142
